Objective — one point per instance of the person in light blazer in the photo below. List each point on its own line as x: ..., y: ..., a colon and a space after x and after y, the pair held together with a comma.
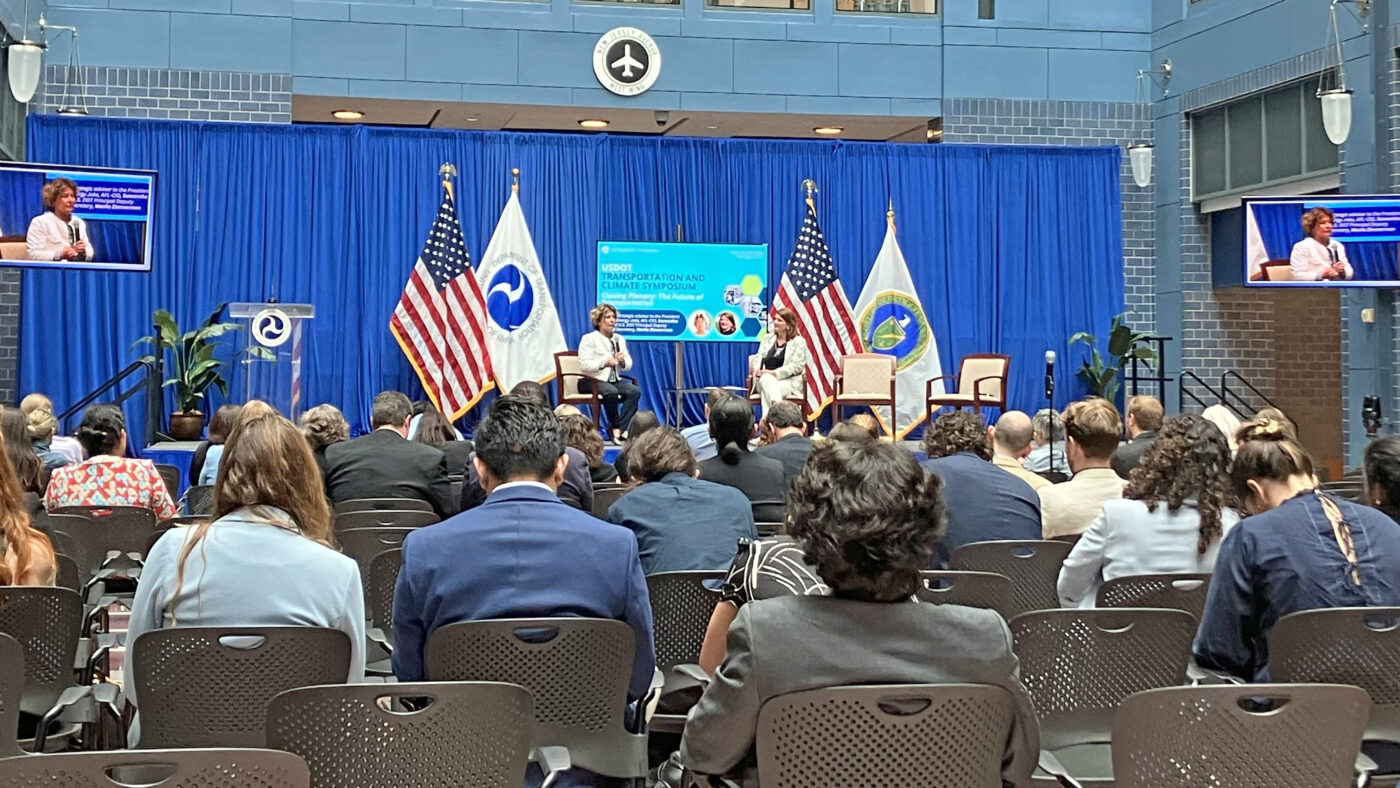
x: 603, y: 357
x: 782, y: 360
x: 56, y: 234
x: 1318, y: 257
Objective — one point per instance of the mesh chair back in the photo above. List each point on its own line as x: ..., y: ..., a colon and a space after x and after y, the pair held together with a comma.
x: 159, y: 769
x: 1032, y: 566
x: 1080, y: 664
x: 605, y: 497
x: 866, y: 375
x: 984, y: 374
x: 1344, y: 645
x: 370, y: 504
x: 458, y: 734
x: 578, y: 670
x: 76, y: 536
x: 123, y: 528
x: 680, y: 612
x: 171, y: 476
x: 199, y: 499
x: 944, y: 736
x: 973, y: 589
x: 1173, y: 591
x: 1275, y: 734
x: 11, y: 690
x: 384, y: 518
x: 363, y: 544
x: 210, y: 686
x: 47, y: 623
x: 383, y: 579
x: 68, y: 575
x: 567, y: 372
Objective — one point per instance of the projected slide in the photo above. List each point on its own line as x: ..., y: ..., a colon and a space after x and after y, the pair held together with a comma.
x: 57, y: 216
x: 1322, y: 241
x: 686, y: 292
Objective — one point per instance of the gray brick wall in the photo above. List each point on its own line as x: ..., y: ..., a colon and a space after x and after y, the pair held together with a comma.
x: 173, y: 95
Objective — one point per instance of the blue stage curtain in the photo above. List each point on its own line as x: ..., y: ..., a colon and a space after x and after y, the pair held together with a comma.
x: 1012, y: 249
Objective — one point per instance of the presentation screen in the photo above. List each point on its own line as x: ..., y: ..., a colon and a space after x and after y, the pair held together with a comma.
x: 105, y: 225
x: 1362, y: 249
x: 686, y: 292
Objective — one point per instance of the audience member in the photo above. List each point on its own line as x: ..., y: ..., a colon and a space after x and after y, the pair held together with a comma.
x: 421, y: 407
x: 868, y: 518
x: 787, y: 440
x: 65, y: 445
x: 204, y: 468
x: 33, y: 476
x: 1228, y: 423
x: 983, y: 502
x: 436, y: 431
x: 850, y: 431
x: 1011, y: 442
x: 1278, y: 416
x: 323, y: 426
x: 565, y: 410
x: 1300, y: 549
x: 681, y: 522
x: 1143, y: 420
x: 1091, y: 429
x: 385, y: 464
x: 107, y: 478
x: 1382, y: 469
x: 702, y: 443
x: 575, y: 490
x: 760, y: 479
x: 1048, y: 435
x: 26, y: 556
x: 581, y: 433
x: 1174, y: 510
x: 868, y: 421
x: 643, y: 421
x: 40, y: 426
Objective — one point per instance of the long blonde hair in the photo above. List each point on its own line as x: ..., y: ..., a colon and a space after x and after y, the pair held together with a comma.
x: 19, y: 540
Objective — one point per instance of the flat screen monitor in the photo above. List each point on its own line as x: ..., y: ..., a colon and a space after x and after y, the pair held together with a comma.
x: 685, y: 292
x: 108, y: 225
x: 1363, y: 249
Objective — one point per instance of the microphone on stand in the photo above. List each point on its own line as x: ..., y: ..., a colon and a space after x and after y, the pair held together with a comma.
x: 1050, y: 377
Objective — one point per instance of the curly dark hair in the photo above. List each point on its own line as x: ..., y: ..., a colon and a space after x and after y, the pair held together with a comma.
x: 868, y: 517
x: 1190, y: 458
x: 955, y: 431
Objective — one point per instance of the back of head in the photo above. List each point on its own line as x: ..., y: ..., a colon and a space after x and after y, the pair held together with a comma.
x: 1094, y: 424
x: 1268, y: 451
x: 660, y: 451
x: 1382, y: 466
x: 1048, y: 426
x: 434, y: 429
x: 644, y: 421
x: 1147, y: 412
x: 868, y: 517
x: 222, y: 424
x: 39, y: 419
x: 715, y: 396
x: 389, y: 409
x: 957, y: 431
x: 867, y: 421
x: 731, y: 424
x: 580, y: 433
x: 16, y: 533
x: 1013, y: 433
x: 530, y: 391
x: 36, y: 401
x: 850, y: 432
x: 567, y: 410
x: 1189, y: 459
x: 324, y: 425
x: 268, y: 463
x: 519, y: 439
x: 1228, y: 423
x: 785, y: 415
x: 1276, y: 415
x: 20, y: 450
x: 101, y: 429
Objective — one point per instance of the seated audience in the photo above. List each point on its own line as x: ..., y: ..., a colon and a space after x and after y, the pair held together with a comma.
x: 323, y: 426
x: 204, y: 468
x: 107, y: 478
x: 576, y: 489
x: 702, y: 443
x: 1382, y: 469
x: 868, y: 518
x: 1174, y: 510
x: 1278, y: 416
x: 29, y: 469
x: 26, y: 555
x: 386, y: 464
x: 265, y: 557
x: 1048, y: 452
x: 521, y: 554
x: 1228, y: 423
x: 643, y: 421
x: 983, y: 502
x: 868, y: 421
x: 786, y: 438
x: 421, y: 407
x: 435, y: 430
x: 581, y: 433
x: 1143, y: 421
x: 1091, y: 428
x: 681, y: 522
x: 1299, y: 549
x: 40, y: 425
x: 1011, y: 442
x: 760, y: 479
x: 64, y: 445
x: 849, y: 431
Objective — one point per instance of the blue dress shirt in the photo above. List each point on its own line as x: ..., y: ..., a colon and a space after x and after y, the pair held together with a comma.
x: 984, y: 503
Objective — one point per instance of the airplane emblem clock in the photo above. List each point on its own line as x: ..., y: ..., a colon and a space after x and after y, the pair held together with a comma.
x: 626, y: 61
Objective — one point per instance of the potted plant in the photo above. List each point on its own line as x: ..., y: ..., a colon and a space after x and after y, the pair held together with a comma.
x: 1124, y: 344
x: 190, y: 366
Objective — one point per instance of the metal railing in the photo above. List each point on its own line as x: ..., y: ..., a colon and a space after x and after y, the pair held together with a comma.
x: 1183, y: 393
x: 1248, y: 409
x: 150, y: 383
x: 1134, y: 376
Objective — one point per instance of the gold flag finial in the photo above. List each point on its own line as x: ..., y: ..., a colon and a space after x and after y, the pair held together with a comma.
x: 447, y: 172
x: 515, y: 180
x: 889, y: 214
x: 810, y: 186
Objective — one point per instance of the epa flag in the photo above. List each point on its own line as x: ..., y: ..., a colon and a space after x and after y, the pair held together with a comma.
x: 523, y: 332
x: 891, y: 321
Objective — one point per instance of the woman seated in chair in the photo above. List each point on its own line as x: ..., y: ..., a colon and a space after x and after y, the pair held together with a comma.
x: 204, y: 467
x: 29, y: 468
x: 435, y: 430
x: 107, y: 478
x: 26, y: 555
x: 1173, y: 512
x: 581, y: 433
x: 782, y: 360
x: 868, y: 518
x: 323, y: 426
x: 759, y: 478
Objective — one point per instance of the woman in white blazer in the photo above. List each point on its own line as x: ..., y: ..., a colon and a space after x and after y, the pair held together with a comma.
x: 1318, y: 257
x: 782, y: 360
x: 603, y: 357
x: 57, y: 234
x: 1173, y: 514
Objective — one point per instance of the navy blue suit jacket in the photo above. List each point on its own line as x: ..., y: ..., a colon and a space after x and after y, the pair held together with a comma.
x: 521, y: 554
x: 984, y: 503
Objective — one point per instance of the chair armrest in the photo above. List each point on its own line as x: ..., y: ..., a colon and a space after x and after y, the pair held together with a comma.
x: 71, y: 696
x: 928, y: 385
x: 376, y: 636
x: 692, y: 671
x: 697, y: 780
x: 977, y: 386
x: 554, y: 761
x: 1200, y: 677
x: 1365, y: 767
x: 1051, y: 766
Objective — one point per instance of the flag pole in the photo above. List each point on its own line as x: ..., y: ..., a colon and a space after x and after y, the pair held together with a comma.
x: 811, y: 188
x: 515, y: 180
x: 448, y: 172
x: 889, y: 214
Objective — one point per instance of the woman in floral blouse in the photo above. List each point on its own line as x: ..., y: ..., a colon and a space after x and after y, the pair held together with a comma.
x: 107, y: 478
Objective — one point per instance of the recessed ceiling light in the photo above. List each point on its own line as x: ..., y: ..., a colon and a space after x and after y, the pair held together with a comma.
x: 712, y: 128
x: 593, y: 123
x: 473, y: 120
x: 828, y: 130
x: 348, y: 114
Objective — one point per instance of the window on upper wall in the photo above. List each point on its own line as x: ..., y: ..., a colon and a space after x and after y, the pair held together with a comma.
x: 770, y: 5
x: 638, y: 2
x: 888, y: 6
x: 1261, y: 140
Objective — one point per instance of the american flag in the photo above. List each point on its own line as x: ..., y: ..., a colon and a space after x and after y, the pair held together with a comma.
x: 441, y: 319
x: 811, y: 290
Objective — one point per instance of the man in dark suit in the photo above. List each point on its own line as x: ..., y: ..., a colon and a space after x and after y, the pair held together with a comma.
x: 575, y: 490
x: 385, y: 464
x: 1144, y: 419
x: 984, y: 502
x: 787, y: 440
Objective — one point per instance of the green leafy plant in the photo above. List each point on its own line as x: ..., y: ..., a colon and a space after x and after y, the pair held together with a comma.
x: 190, y: 363
x: 1104, y: 376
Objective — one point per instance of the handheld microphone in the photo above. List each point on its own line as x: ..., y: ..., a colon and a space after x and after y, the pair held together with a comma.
x: 1050, y: 375
x: 72, y: 233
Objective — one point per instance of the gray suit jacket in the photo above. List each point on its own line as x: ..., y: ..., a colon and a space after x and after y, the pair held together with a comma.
x: 1128, y: 456
x: 790, y: 644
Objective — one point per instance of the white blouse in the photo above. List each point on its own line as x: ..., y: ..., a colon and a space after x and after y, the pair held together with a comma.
x: 1311, y: 259
x: 48, y: 235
